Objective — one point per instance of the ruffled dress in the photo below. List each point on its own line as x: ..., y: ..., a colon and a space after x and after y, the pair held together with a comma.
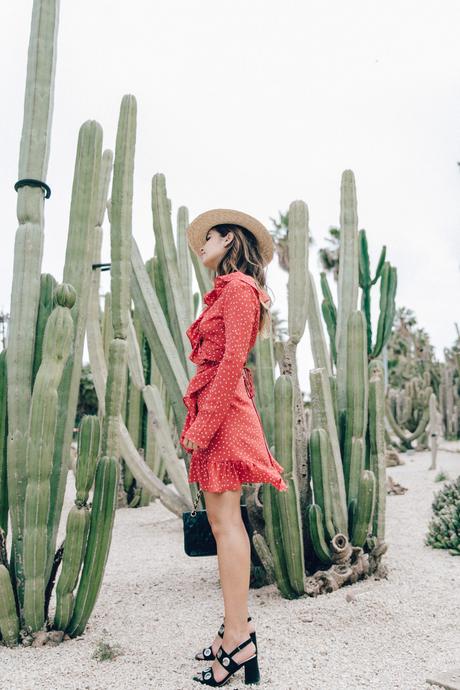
x: 222, y: 418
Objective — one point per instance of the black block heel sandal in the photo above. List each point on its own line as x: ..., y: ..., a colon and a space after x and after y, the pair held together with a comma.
x: 251, y: 668
x: 208, y: 654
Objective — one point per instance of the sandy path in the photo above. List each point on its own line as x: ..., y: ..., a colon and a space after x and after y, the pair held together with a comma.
x: 161, y: 606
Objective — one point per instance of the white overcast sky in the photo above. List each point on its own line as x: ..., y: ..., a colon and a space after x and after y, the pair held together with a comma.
x: 252, y: 104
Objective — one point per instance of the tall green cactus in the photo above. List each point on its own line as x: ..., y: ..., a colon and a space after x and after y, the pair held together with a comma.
x: 388, y: 284
x: 329, y: 311
x: 347, y: 295
x: 39, y: 387
x: 323, y: 418
x: 9, y: 621
x: 107, y: 472
x: 347, y: 441
x: 377, y: 462
x: 77, y: 272
x: 348, y: 496
x: 98, y: 545
x: 364, y: 507
x: 323, y: 475
x: 3, y: 444
x: 57, y: 343
x: 177, y: 308
x: 287, y: 502
x: 357, y: 398
x: 413, y: 421
x: 366, y: 282
x: 275, y: 542
x: 28, y: 252
x: 77, y: 520
x: 46, y: 306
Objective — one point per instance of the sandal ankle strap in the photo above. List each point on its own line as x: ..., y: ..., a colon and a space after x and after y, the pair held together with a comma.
x: 237, y: 649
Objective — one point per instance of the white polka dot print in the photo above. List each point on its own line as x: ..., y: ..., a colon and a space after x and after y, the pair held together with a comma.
x: 222, y: 418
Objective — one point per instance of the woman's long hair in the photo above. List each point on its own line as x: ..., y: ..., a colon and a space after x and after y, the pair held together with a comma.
x: 243, y: 255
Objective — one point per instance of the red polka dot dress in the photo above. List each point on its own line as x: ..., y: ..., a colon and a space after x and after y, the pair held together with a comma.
x: 222, y: 418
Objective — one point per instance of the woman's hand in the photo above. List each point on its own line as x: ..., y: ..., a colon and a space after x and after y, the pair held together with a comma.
x: 190, y: 444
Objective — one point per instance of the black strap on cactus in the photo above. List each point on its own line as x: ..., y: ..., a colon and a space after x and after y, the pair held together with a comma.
x: 103, y: 267
x: 30, y: 182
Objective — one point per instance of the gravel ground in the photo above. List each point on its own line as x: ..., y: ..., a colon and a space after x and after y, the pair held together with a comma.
x: 160, y: 607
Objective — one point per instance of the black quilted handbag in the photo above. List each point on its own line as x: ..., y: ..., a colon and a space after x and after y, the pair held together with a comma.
x: 198, y: 537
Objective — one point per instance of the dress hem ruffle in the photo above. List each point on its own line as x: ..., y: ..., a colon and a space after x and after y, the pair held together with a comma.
x: 230, y: 475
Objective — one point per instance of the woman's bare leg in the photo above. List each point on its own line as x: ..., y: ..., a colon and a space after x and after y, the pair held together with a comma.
x: 233, y: 554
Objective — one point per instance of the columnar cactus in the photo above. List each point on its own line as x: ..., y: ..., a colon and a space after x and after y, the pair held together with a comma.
x: 9, y: 621
x: 410, y: 421
x: 357, y: 400
x: 324, y: 418
x: 178, y: 311
x: 98, y: 544
x: 3, y: 444
x: 287, y: 502
x: 160, y: 341
x: 77, y: 520
x: 434, y: 429
x: 366, y: 282
x: 46, y: 338
x: 40, y: 372
x: 28, y: 252
x: 107, y: 472
x: 345, y: 515
x: 322, y: 519
x: 77, y: 272
x: 449, y: 396
x: 43, y: 418
x: 376, y: 456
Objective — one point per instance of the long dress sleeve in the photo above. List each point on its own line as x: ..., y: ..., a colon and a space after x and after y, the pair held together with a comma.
x: 240, y: 309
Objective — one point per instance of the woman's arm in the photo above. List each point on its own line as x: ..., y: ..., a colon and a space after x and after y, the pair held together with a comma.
x: 240, y: 309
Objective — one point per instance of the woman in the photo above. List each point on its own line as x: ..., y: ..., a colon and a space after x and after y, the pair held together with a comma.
x: 222, y: 429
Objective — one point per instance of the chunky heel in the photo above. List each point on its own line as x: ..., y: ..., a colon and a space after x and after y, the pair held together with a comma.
x: 251, y: 671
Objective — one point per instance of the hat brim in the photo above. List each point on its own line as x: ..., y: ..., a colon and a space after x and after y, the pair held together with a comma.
x: 198, y: 228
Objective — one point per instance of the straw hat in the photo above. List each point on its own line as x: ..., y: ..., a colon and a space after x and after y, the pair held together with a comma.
x: 198, y: 228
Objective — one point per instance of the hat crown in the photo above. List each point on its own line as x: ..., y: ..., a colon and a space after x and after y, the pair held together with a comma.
x: 198, y: 228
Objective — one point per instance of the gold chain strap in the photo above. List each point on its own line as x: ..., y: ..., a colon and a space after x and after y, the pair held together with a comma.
x: 195, y: 503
